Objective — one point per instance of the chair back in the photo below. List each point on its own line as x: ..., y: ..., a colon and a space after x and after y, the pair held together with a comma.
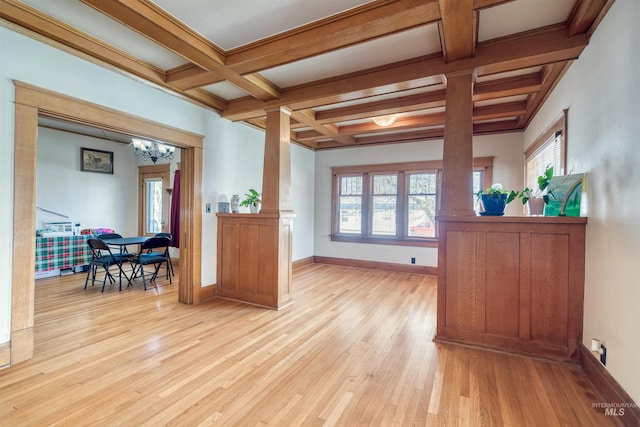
x: 167, y: 235
x: 97, y: 246
x: 108, y: 236
x: 155, y: 243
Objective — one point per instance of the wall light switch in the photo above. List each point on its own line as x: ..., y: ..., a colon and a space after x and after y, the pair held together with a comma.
x: 207, y: 207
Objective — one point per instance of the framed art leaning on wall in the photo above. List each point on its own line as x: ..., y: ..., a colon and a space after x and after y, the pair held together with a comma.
x: 96, y: 160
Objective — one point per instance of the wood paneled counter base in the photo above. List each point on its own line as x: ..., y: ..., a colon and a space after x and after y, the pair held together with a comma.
x: 254, y: 258
x: 512, y: 283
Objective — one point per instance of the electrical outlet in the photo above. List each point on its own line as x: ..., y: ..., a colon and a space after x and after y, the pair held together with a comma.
x: 207, y: 208
x: 413, y: 260
x: 603, y: 354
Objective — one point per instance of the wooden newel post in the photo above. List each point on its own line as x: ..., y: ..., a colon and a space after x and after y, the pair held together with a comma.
x: 457, y: 156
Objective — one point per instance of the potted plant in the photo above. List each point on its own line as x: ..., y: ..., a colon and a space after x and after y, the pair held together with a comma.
x: 536, y: 199
x: 252, y: 200
x: 495, y: 199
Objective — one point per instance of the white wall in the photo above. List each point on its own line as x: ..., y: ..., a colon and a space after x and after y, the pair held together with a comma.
x: 233, y: 153
x: 602, y: 92
x: 508, y: 165
x: 94, y: 200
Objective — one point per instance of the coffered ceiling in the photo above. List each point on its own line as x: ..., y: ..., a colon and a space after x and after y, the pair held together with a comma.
x: 335, y: 63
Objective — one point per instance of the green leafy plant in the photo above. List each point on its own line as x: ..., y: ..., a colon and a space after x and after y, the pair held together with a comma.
x: 496, y: 191
x: 252, y: 198
x: 543, y: 188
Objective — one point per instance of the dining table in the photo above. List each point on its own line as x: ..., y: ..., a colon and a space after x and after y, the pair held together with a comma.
x: 122, y: 243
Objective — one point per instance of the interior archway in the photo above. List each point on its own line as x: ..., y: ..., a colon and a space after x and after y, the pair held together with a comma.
x: 32, y: 101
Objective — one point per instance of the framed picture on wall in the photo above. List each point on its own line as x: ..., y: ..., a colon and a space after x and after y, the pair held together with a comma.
x: 96, y: 161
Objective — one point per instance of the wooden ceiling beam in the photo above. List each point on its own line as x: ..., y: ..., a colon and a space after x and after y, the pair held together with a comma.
x: 584, y: 15
x: 457, y: 29
x: 154, y: 23
x: 500, y: 111
x: 331, y: 131
x: 551, y: 76
x: 522, y: 51
x: 510, y: 86
x: 358, y: 25
x: 333, y: 33
x: 484, y: 4
x: 81, y: 44
x: 396, y: 138
x: 401, y: 104
x: 496, y: 127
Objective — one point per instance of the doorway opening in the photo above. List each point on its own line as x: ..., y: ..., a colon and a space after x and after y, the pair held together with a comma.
x: 32, y: 102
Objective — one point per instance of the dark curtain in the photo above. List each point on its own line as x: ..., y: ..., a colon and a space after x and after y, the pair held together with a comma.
x: 175, y: 211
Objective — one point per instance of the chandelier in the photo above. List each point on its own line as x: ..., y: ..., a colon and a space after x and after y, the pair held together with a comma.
x: 385, y: 121
x: 152, y: 150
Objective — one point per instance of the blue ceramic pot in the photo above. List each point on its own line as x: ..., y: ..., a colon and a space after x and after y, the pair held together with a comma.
x: 494, y: 205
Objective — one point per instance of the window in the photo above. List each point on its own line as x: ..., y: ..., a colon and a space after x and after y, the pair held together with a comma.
x: 548, y: 149
x: 153, y: 199
x: 384, y: 204
x: 351, y: 204
x: 422, y: 204
x: 393, y: 203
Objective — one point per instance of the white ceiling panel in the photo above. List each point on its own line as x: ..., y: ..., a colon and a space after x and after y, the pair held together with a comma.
x: 234, y: 23
x: 521, y: 15
x: 102, y: 27
x: 225, y: 90
x: 408, y: 44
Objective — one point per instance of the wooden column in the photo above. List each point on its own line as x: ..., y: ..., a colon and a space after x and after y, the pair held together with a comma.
x: 254, y: 251
x: 276, y: 175
x: 457, y: 157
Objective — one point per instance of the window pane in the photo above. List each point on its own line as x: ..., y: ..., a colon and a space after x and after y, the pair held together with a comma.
x: 421, y: 211
x: 478, y: 178
x: 385, y: 184
x: 548, y: 155
x: 384, y: 215
x: 422, y: 183
x: 383, y: 218
x: 153, y: 194
x: 351, y: 186
x: 350, y: 204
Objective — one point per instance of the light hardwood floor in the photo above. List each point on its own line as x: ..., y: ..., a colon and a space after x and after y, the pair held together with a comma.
x: 354, y: 349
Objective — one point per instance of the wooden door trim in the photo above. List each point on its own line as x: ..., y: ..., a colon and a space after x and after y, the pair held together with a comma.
x: 32, y: 101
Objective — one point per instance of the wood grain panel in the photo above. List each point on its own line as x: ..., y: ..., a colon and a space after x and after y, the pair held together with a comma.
x: 461, y: 280
x: 248, y: 259
x: 502, y: 284
x: 268, y: 261
x: 529, y: 284
x: 549, y: 288
x: 229, y: 249
x: 259, y: 250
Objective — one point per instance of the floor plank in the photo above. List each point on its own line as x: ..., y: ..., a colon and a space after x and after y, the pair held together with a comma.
x: 356, y: 348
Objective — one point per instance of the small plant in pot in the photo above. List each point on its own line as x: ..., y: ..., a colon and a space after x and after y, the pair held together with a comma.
x: 495, y: 199
x: 536, y: 199
x: 252, y: 201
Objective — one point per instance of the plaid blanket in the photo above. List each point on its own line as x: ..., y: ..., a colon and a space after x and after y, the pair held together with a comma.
x: 62, y: 252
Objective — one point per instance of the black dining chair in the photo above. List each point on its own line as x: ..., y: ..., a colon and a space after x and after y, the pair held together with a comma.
x: 103, y: 257
x: 170, y: 237
x: 152, y: 252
